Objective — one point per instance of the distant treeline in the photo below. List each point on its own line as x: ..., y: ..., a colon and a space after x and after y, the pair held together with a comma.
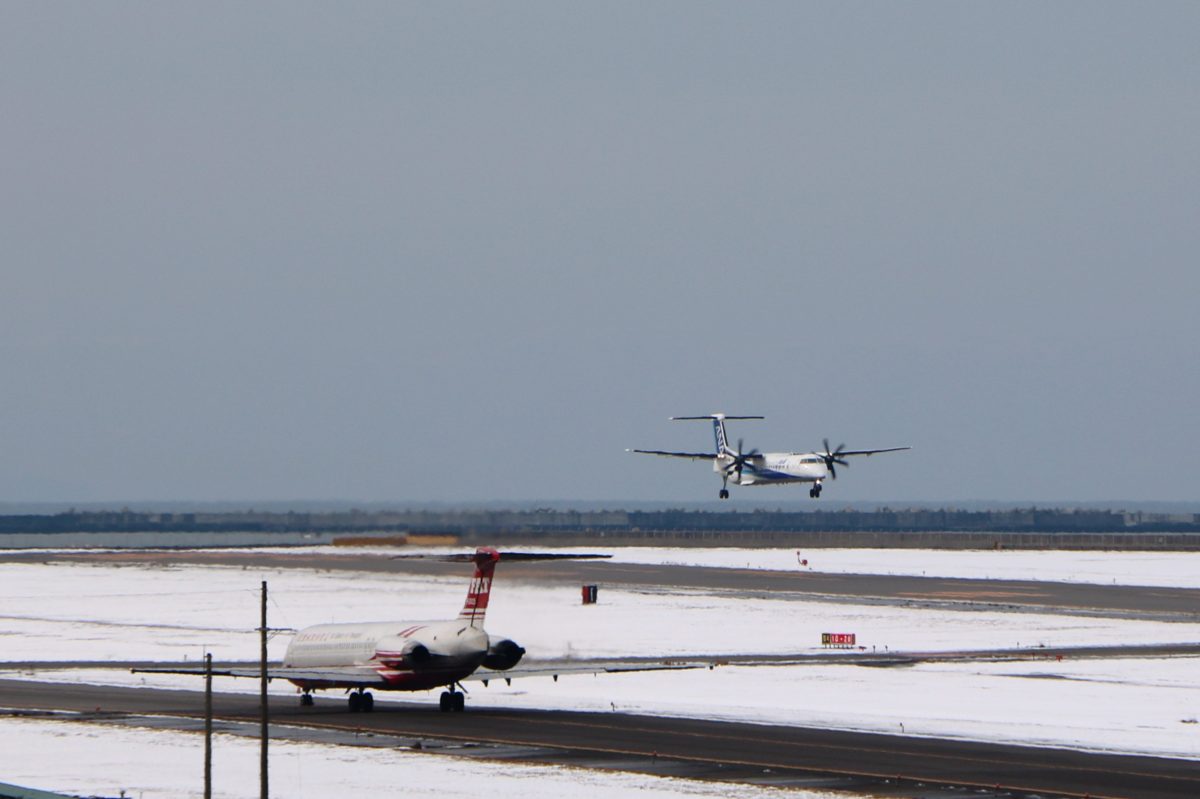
x: 546, y: 520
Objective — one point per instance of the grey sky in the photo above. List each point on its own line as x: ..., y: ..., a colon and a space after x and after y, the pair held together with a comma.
x: 470, y: 251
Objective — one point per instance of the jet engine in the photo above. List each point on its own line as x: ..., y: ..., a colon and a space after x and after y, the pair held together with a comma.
x: 416, y: 654
x: 503, y: 654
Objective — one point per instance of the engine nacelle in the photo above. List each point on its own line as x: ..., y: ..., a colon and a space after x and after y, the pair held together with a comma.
x: 503, y: 654
x: 417, y: 654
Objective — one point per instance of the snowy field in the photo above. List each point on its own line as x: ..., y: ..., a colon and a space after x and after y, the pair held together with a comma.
x: 1171, y: 569
x: 80, y: 611
x: 89, y: 759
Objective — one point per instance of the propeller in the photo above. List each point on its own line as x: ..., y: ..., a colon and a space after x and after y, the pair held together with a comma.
x: 739, y: 460
x: 832, y: 457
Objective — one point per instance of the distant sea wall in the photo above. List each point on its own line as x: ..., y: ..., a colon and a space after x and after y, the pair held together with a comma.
x: 1034, y: 520
x: 161, y: 540
x: 934, y: 528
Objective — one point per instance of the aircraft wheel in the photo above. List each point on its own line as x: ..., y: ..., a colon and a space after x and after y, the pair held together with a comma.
x: 724, y: 494
x: 445, y: 702
x: 355, y: 702
x: 306, y: 700
x: 458, y: 702
x: 368, y: 702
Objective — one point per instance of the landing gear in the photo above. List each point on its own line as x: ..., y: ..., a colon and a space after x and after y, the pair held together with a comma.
x: 360, y: 701
x: 815, y: 491
x: 306, y: 699
x: 724, y: 493
x: 452, y: 702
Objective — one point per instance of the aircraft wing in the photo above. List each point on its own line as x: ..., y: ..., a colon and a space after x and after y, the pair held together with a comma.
x: 869, y: 451
x: 566, y: 667
x: 693, y: 455
x: 365, y: 676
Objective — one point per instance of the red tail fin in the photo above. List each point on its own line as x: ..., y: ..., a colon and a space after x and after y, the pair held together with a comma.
x: 475, y: 607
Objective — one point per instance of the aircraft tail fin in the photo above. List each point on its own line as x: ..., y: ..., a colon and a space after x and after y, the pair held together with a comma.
x: 475, y: 607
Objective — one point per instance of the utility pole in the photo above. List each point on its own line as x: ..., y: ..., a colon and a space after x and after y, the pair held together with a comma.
x: 263, y: 735
x: 208, y: 725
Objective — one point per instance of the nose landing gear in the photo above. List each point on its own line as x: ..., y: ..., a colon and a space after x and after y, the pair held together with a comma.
x: 815, y: 491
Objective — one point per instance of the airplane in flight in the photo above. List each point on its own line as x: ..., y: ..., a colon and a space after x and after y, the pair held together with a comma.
x: 766, y: 468
x: 416, y: 656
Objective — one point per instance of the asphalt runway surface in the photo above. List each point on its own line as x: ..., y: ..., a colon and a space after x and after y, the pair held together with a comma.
x: 876, y: 764
x: 882, y: 765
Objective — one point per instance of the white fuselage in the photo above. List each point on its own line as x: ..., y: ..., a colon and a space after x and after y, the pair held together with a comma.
x: 776, y: 468
x: 406, y: 655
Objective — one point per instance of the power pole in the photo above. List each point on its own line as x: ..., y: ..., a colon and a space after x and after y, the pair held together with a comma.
x: 208, y: 725
x: 263, y: 736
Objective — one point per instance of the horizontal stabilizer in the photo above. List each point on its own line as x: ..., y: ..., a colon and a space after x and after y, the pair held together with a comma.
x: 463, y: 557
x: 710, y: 417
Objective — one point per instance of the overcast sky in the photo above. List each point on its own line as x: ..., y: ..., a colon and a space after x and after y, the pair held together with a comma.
x: 459, y: 251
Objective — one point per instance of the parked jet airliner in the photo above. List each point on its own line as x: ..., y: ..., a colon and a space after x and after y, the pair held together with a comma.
x: 766, y: 468
x: 415, y: 656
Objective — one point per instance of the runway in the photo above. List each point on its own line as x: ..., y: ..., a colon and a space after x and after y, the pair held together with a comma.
x: 888, y: 765
x: 1023, y: 596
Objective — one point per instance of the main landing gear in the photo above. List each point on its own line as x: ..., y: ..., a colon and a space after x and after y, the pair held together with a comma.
x: 306, y: 699
x: 452, y: 701
x: 360, y: 700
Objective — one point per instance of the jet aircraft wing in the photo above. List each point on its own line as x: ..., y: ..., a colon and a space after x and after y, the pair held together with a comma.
x: 693, y: 455
x: 566, y: 667
x: 366, y: 676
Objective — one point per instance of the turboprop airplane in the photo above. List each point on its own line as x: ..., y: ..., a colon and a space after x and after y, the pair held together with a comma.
x: 766, y: 468
x: 415, y: 656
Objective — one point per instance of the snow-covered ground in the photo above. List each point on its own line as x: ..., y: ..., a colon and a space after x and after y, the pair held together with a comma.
x: 90, y: 759
x: 81, y: 611
x: 1177, y: 569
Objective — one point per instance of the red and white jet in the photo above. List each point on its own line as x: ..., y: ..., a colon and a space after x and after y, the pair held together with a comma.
x: 390, y: 656
x: 766, y: 468
x: 415, y: 656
